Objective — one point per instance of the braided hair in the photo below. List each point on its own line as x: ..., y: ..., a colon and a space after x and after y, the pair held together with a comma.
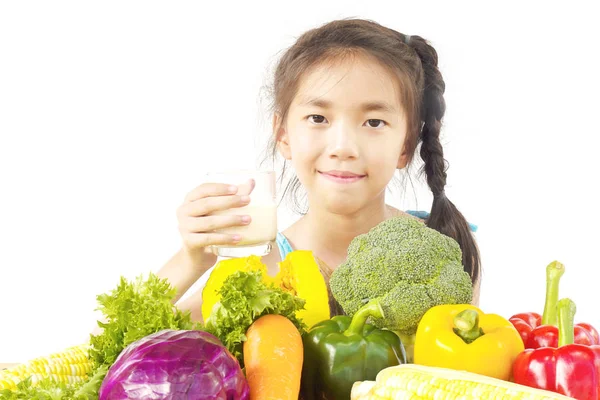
x: 444, y: 216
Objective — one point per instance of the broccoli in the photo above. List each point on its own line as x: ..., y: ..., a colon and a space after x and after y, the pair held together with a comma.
x: 409, y: 266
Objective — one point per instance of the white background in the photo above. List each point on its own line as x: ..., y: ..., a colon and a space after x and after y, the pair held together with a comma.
x: 110, y: 112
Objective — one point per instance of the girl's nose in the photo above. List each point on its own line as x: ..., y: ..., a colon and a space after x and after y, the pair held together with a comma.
x: 343, y: 143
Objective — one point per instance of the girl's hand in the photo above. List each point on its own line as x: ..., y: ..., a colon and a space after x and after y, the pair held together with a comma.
x: 197, y: 225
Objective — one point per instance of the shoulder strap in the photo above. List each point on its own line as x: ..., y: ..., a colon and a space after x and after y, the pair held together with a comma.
x: 283, y: 244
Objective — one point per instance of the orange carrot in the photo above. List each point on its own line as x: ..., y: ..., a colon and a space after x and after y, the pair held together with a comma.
x: 273, y: 355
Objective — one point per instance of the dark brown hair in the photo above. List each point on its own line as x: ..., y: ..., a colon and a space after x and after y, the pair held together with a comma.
x: 414, y: 62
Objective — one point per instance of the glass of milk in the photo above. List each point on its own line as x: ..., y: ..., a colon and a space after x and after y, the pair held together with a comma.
x: 258, y: 236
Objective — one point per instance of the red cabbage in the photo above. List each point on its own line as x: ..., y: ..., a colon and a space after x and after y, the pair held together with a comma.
x: 171, y: 364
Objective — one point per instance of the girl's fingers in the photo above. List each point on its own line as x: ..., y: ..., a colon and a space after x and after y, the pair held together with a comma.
x: 210, y: 189
x: 198, y: 240
x: 247, y: 187
x: 211, y: 223
x: 209, y: 205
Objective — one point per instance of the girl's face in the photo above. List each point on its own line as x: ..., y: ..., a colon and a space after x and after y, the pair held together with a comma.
x: 344, y: 134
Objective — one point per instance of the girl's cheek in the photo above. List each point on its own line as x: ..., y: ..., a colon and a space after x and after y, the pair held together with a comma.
x: 307, y: 144
x: 383, y: 167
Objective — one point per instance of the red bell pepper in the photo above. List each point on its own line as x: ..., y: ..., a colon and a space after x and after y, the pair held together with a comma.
x: 525, y: 323
x: 570, y: 369
x: 541, y: 331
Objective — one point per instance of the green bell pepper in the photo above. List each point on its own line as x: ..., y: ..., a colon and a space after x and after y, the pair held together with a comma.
x: 343, y: 350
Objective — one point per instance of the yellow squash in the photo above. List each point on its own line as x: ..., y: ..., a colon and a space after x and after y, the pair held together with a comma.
x: 220, y: 272
x: 299, y: 274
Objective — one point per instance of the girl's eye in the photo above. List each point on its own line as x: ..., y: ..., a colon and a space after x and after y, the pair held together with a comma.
x: 373, y: 123
x: 317, y: 119
x: 376, y: 123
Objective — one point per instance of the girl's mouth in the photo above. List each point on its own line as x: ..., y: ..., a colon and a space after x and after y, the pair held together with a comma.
x: 341, y: 176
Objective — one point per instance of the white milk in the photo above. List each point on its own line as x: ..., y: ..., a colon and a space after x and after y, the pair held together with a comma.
x: 263, y: 227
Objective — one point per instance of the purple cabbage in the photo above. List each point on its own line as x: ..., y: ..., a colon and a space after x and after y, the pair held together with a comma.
x: 170, y: 365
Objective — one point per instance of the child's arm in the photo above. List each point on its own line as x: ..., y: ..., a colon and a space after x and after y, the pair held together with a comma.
x: 193, y: 303
x: 199, y: 229
x: 182, y: 271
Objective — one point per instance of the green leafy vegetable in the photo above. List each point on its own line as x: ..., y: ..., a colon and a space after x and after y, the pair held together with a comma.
x: 245, y: 298
x: 408, y: 266
x: 43, y: 390
x: 47, y: 389
x: 135, y: 310
x: 132, y: 311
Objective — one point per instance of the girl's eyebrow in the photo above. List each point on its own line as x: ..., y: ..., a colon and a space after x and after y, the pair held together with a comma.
x: 368, y: 106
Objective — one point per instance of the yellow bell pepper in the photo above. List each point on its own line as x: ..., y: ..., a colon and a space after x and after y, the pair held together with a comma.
x: 462, y: 337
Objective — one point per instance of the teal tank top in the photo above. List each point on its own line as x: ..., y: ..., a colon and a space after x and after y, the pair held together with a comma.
x: 285, y: 247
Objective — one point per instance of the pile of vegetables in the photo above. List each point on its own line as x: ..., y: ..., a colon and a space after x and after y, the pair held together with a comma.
x: 401, y: 288
x: 148, y: 349
x: 134, y: 354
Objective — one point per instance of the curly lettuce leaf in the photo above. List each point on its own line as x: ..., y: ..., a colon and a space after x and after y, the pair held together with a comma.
x: 43, y: 390
x: 48, y: 389
x: 244, y: 299
x: 133, y: 310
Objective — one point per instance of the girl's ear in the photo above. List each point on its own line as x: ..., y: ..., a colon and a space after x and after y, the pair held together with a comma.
x: 283, y: 144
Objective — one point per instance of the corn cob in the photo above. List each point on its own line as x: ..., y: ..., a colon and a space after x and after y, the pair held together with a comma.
x: 69, y: 366
x: 415, y: 382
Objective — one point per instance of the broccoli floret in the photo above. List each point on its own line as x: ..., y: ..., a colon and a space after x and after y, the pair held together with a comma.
x: 405, y: 264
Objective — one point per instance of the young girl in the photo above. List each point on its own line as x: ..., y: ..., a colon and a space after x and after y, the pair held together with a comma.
x: 352, y: 100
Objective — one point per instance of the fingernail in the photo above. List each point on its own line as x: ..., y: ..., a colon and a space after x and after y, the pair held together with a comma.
x: 245, y: 219
x: 236, y: 238
x: 232, y: 189
x: 245, y: 199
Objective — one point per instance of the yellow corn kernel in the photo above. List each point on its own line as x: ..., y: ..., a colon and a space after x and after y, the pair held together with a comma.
x: 412, y: 382
x: 69, y: 366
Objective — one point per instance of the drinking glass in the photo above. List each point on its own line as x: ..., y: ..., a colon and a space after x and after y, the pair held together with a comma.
x: 258, y: 236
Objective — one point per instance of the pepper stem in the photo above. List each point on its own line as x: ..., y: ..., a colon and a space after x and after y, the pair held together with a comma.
x: 371, y: 309
x: 566, y: 315
x: 466, y: 325
x: 554, y: 271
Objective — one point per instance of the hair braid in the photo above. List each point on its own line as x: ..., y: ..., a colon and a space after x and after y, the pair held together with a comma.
x: 444, y: 216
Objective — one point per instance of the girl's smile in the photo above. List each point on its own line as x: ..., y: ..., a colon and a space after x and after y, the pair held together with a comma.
x: 343, y: 177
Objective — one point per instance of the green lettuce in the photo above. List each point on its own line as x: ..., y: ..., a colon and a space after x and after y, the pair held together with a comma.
x: 133, y: 310
x: 244, y: 299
